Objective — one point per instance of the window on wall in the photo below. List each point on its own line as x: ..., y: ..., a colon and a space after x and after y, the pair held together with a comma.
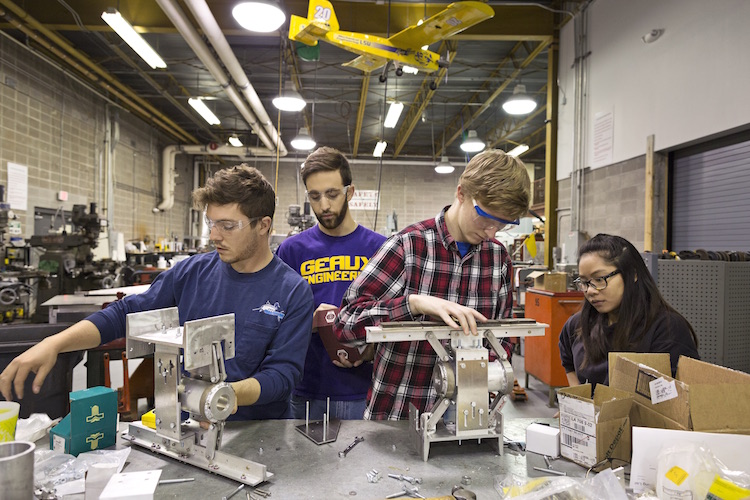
x: 709, y: 202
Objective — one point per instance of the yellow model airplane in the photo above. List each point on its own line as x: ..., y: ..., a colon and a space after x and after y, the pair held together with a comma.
x: 404, y: 48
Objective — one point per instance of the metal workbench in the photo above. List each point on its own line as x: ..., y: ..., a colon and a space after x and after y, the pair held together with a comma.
x: 304, y: 470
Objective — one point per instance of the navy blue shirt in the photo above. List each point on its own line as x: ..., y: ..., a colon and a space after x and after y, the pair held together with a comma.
x: 273, y: 317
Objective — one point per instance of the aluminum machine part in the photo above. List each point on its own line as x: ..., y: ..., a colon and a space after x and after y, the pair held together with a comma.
x: 471, y: 389
x: 189, y: 376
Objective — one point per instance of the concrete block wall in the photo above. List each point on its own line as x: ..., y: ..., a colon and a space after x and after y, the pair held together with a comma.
x: 54, y: 125
x: 613, y: 201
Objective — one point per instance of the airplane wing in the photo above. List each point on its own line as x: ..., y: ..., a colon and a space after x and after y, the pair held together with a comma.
x: 307, y: 31
x: 367, y: 63
x: 454, y: 19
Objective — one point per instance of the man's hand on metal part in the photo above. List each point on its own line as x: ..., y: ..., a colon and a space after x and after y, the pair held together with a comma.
x: 451, y: 313
x: 40, y: 359
x: 367, y: 355
x: 205, y: 425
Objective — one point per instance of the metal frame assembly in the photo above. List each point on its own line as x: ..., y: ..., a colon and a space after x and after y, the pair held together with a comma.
x: 471, y: 389
x: 189, y: 376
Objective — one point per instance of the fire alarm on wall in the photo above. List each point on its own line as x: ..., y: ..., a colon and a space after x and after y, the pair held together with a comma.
x: 62, y: 196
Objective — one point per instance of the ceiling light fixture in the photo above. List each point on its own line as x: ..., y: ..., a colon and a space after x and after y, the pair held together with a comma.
x: 235, y: 141
x: 290, y: 99
x: 444, y: 166
x: 394, y: 113
x: 262, y: 16
x: 518, y: 150
x: 200, y: 106
x: 123, y: 28
x: 303, y: 141
x: 519, y: 103
x: 472, y: 144
x: 379, y: 149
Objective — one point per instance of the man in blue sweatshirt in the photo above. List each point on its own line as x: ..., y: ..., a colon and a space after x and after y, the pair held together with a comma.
x: 272, y: 304
x: 329, y: 256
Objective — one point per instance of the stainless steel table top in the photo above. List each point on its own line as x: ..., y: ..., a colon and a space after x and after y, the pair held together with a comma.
x: 304, y: 470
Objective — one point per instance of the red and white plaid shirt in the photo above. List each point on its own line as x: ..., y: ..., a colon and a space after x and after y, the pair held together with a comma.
x: 422, y: 259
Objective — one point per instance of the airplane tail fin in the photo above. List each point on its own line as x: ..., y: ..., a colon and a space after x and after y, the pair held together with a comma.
x: 322, y: 11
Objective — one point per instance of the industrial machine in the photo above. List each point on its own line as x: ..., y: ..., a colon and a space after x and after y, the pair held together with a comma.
x: 16, y: 279
x: 471, y: 388
x: 189, y: 376
x: 69, y: 260
x: 299, y: 219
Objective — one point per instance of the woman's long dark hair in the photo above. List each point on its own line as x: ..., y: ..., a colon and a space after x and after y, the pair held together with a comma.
x: 641, y: 301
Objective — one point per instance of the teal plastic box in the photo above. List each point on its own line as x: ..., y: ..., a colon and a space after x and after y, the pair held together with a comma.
x: 91, y: 423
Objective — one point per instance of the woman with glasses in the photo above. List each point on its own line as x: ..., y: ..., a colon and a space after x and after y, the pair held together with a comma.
x: 623, y: 311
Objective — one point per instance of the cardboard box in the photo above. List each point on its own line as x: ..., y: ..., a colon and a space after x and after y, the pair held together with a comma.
x: 91, y: 423
x: 552, y: 282
x: 702, y: 397
x: 592, y: 430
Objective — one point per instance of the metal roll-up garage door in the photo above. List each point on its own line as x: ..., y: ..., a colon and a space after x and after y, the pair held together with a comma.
x: 710, y: 196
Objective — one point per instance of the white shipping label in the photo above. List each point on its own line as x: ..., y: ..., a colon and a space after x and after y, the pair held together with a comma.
x: 577, y: 430
x: 577, y: 446
x: 662, y: 390
x: 58, y: 443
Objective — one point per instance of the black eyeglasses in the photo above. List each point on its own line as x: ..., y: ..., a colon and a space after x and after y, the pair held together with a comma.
x: 599, y: 283
x: 330, y: 194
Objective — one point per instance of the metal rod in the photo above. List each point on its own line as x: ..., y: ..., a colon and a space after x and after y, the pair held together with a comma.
x: 551, y: 471
x: 237, y: 490
x: 172, y: 481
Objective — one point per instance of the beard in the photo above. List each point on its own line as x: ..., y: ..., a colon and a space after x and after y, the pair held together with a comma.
x: 337, y: 220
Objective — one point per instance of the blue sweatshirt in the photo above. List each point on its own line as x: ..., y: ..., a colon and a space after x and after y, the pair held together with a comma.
x: 270, y: 341
x: 330, y: 264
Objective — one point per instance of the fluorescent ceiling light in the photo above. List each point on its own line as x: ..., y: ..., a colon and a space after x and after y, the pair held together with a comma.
x: 289, y: 100
x: 303, y: 141
x: 262, y: 16
x: 519, y: 103
x: 136, y: 41
x: 473, y: 143
x: 379, y: 148
x: 410, y: 69
x: 444, y: 166
x: 518, y: 150
x: 394, y: 113
x: 235, y: 141
x: 203, y: 110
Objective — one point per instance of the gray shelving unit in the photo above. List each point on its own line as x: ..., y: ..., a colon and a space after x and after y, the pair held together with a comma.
x: 714, y: 297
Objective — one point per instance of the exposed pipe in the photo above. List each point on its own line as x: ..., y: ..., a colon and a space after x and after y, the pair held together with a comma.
x: 193, y: 39
x: 169, y: 153
x: 202, y: 13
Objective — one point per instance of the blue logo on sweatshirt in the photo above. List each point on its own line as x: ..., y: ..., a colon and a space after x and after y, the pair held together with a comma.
x: 271, y: 310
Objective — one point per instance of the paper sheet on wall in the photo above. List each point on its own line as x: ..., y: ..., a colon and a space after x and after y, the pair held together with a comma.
x: 18, y: 186
x: 603, y: 139
x: 364, y: 199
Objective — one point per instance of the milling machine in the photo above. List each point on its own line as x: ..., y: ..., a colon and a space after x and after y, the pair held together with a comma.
x: 68, y: 257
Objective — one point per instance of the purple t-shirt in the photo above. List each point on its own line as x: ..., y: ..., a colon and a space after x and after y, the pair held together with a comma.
x: 330, y: 264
